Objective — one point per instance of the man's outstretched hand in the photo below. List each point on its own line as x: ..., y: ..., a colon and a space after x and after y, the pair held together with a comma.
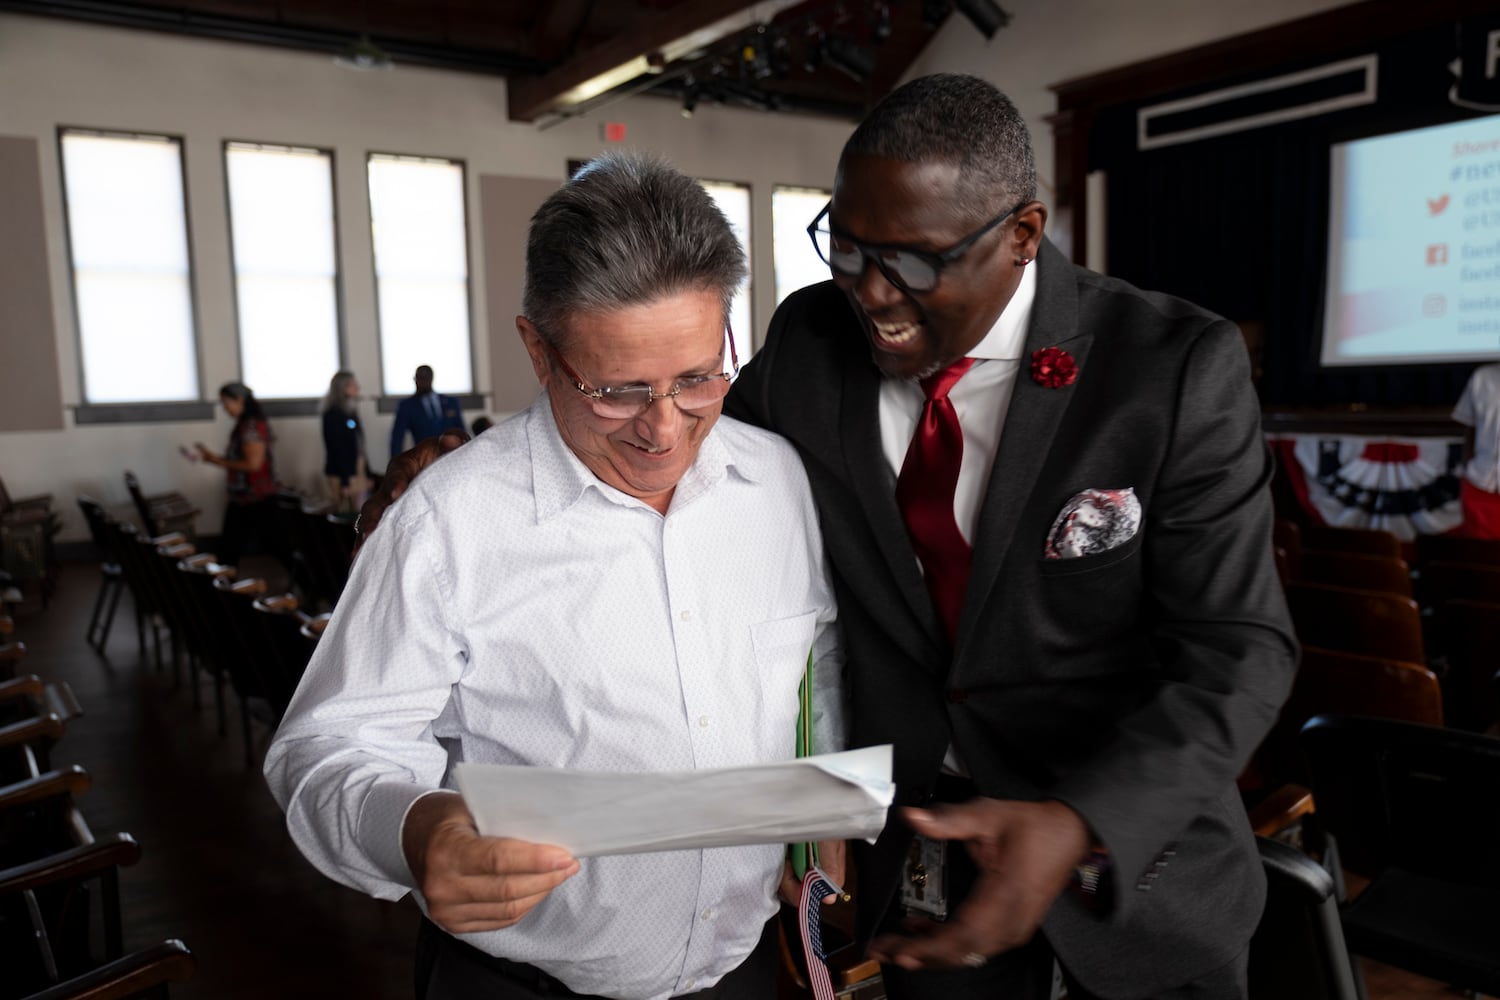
x: 398, y: 476
x: 1025, y: 853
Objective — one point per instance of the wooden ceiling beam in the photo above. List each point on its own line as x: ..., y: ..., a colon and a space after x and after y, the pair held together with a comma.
x: 555, y: 28
x: 672, y: 33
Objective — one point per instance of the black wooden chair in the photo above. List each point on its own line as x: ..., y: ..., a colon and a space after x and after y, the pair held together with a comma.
x: 162, y: 513
x: 1298, y: 950
x: 1415, y: 809
x: 111, y: 573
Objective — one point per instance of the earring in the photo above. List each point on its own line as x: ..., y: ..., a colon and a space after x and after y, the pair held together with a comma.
x: 1022, y: 261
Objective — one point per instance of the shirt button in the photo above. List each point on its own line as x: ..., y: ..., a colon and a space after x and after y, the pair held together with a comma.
x: 703, y: 722
x: 708, y: 914
x: 686, y: 616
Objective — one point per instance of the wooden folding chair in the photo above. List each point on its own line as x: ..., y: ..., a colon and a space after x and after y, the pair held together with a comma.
x: 1355, y: 569
x: 1457, y: 549
x: 1356, y: 621
x: 1370, y: 541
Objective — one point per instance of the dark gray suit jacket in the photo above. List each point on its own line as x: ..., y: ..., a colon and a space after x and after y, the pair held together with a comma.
x: 1132, y: 684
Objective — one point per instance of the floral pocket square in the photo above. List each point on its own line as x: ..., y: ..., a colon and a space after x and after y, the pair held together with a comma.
x: 1092, y: 522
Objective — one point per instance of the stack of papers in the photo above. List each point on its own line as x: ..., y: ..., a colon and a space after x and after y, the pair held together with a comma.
x: 833, y: 796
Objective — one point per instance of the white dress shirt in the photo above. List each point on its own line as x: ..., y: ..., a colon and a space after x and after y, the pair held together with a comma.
x: 980, y: 399
x: 514, y: 609
x: 1479, y: 408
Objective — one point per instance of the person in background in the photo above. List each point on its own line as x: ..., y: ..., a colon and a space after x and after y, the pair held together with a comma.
x: 614, y: 579
x: 344, y: 443
x: 1478, y: 409
x: 481, y: 424
x: 424, y: 414
x: 250, y: 514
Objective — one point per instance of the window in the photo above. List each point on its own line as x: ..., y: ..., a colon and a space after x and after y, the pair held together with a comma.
x: 797, y: 263
x: 734, y: 201
x: 420, y: 235
x: 132, y: 280
x: 281, y: 218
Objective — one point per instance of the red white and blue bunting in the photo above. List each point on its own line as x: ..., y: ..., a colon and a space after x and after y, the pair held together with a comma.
x: 1407, y: 486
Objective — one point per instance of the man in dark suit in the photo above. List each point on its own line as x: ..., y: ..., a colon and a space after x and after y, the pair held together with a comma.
x: 1068, y: 622
x: 425, y: 414
x: 1086, y: 697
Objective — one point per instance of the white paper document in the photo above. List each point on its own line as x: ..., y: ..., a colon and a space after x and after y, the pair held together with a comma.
x: 833, y: 796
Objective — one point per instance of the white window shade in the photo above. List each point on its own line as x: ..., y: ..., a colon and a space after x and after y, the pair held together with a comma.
x: 132, y: 282
x: 420, y: 234
x: 797, y: 263
x: 734, y: 201
x: 286, y: 268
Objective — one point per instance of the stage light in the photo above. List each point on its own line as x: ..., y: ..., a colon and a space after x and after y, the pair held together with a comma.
x: 984, y: 15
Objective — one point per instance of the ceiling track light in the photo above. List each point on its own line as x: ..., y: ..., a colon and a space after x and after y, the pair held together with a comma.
x: 855, y: 61
x: 363, y: 54
x: 985, y: 15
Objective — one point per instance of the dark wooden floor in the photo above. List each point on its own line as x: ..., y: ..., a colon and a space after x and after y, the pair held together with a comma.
x: 218, y: 869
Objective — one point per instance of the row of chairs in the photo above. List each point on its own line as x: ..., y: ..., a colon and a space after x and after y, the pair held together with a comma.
x: 1444, y: 614
x: 1366, y: 757
x: 28, y: 527
x: 61, y: 921
x: 216, y: 623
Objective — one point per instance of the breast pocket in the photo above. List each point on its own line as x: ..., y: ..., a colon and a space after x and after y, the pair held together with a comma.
x: 781, y: 647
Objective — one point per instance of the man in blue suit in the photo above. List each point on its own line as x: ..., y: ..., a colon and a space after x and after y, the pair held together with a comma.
x: 426, y: 414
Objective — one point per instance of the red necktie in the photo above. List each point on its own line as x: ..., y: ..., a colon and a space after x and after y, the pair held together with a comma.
x: 924, y: 492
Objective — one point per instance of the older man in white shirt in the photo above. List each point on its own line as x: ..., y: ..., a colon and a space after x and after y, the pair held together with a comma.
x: 614, y: 579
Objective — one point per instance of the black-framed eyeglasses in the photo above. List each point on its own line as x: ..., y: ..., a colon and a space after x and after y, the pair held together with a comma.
x: 908, y: 269
x: 622, y: 402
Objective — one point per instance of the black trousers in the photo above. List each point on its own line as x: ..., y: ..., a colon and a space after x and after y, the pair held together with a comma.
x: 449, y: 969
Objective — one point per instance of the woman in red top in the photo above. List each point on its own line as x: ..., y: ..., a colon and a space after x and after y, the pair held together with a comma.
x: 251, y: 511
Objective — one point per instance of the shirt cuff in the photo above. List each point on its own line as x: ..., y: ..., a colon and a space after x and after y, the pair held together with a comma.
x: 381, y: 822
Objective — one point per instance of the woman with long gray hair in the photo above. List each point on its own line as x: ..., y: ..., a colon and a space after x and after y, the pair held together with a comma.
x: 344, y: 443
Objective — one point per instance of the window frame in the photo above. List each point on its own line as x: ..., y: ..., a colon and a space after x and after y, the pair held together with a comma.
x: 287, y: 406
x: 133, y: 411
x: 750, y: 340
x: 827, y: 194
x: 384, y: 402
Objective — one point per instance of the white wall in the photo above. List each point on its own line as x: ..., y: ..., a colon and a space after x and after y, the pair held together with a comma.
x: 60, y: 73
x: 55, y: 73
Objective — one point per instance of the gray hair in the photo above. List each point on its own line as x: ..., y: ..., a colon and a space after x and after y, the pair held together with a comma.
x: 958, y: 119
x: 337, y: 389
x: 627, y: 229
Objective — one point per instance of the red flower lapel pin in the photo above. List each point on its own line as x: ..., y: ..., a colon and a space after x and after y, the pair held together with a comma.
x: 1053, y: 368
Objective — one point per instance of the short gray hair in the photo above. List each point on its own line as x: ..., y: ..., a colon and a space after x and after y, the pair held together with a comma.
x: 958, y: 119
x: 627, y: 229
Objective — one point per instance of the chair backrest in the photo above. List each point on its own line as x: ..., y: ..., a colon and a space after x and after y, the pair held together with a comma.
x: 1370, y: 541
x: 1355, y: 569
x: 1330, y: 682
x: 1470, y: 632
x: 1356, y: 621
x: 139, y: 499
x: 1297, y: 951
x: 1397, y: 794
x: 1451, y: 581
x: 1458, y: 549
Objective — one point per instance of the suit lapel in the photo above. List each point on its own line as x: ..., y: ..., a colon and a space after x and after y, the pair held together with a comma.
x: 875, y: 485
x: 1030, y: 423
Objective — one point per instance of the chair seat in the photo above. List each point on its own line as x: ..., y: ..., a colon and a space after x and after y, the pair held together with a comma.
x: 1427, y: 926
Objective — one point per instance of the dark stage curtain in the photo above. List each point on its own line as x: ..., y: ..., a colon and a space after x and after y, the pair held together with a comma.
x: 1238, y: 224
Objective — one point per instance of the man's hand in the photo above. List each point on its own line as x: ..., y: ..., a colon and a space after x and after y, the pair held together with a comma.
x: 1025, y: 853
x: 398, y: 476
x: 475, y: 883
x: 830, y: 859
